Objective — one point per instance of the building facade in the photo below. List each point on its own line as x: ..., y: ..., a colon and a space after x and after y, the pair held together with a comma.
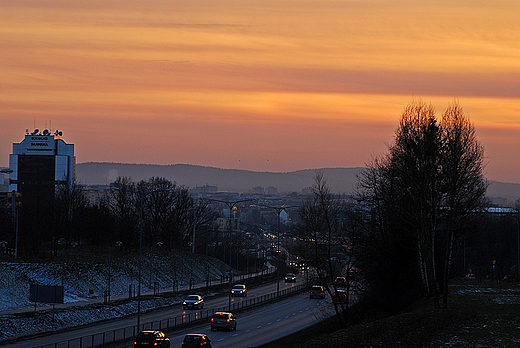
x: 40, y: 162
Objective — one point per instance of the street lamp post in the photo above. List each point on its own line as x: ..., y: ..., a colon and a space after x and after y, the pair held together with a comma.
x: 230, y: 207
x: 141, y: 195
x: 278, y: 242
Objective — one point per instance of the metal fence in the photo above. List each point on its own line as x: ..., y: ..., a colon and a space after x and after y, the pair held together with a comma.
x: 118, y: 335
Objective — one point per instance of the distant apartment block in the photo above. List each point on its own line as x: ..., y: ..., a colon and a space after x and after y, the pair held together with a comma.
x: 257, y: 190
x: 205, y: 189
x: 271, y: 190
x: 307, y: 191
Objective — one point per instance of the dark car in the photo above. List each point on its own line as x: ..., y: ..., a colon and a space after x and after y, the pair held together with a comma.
x: 290, y: 277
x: 196, y: 340
x: 151, y: 338
x: 340, y: 282
x: 223, y: 320
x: 351, y: 274
x: 193, y: 302
x: 239, y: 290
x: 340, y: 295
x: 317, y: 292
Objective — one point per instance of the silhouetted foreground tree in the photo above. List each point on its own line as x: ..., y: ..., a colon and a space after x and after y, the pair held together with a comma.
x: 419, y: 197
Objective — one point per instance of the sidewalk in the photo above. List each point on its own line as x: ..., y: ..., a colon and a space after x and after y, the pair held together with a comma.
x: 100, y: 299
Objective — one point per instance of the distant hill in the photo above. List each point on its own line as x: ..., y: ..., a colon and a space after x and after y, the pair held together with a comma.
x: 340, y: 180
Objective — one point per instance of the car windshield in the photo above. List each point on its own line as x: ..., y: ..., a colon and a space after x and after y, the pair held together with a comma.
x: 192, y: 297
x: 316, y: 288
x: 239, y: 287
x: 192, y: 338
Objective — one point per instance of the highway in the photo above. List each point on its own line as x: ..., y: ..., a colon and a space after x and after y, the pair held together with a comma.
x: 257, y: 327
x: 266, y: 324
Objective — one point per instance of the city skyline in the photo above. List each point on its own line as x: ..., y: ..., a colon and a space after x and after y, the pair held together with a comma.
x: 274, y: 86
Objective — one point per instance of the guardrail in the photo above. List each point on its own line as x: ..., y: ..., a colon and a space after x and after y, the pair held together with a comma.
x: 122, y: 334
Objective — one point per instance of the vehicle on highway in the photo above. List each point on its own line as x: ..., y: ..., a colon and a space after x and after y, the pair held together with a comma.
x: 317, y: 291
x: 340, y: 282
x: 351, y: 274
x: 223, y: 320
x: 196, y: 340
x: 340, y: 295
x: 239, y: 290
x: 151, y: 338
x: 290, y: 277
x: 193, y: 302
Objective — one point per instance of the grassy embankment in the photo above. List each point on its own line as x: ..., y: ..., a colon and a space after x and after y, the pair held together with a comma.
x: 483, y: 314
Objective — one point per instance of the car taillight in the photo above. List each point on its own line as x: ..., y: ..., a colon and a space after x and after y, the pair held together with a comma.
x: 227, y: 321
x: 212, y: 319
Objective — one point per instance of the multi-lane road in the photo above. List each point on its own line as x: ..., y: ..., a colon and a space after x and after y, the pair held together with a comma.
x: 254, y: 328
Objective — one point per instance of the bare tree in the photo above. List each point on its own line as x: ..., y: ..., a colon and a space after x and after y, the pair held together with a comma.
x: 464, y: 186
x: 424, y: 192
x: 124, y: 206
x: 326, y: 247
x: 70, y: 206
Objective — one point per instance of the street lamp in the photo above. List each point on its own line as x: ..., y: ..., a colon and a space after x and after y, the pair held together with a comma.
x: 278, y: 246
x: 230, y: 207
x: 141, y: 195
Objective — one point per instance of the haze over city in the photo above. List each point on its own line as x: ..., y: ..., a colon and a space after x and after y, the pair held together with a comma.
x: 256, y: 85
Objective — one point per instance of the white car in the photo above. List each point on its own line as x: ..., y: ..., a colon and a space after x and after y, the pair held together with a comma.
x: 193, y: 302
x: 239, y: 290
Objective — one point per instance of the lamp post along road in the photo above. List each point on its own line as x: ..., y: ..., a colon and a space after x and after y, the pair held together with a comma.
x: 230, y: 207
x: 141, y: 195
x: 278, y: 242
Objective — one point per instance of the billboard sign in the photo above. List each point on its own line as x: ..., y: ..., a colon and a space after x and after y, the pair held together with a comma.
x: 46, y: 293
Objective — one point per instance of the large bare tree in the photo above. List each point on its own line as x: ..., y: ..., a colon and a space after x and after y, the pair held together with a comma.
x: 422, y: 193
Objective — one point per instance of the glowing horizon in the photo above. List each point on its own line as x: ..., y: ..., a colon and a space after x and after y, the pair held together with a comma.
x: 265, y: 85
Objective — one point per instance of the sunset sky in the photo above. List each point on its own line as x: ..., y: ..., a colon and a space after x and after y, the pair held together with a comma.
x: 263, y: 85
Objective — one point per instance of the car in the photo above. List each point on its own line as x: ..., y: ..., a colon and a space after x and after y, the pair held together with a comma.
x: 223, y: 320
x: 290, y: 277
x: 151, y: 338
x: 351, y: 274
x: 239, y: 290
x: 340, y: 282
x: 317, y: 291
x: 196, y: 340
x: 340, y: 295
x: 193, y: 302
